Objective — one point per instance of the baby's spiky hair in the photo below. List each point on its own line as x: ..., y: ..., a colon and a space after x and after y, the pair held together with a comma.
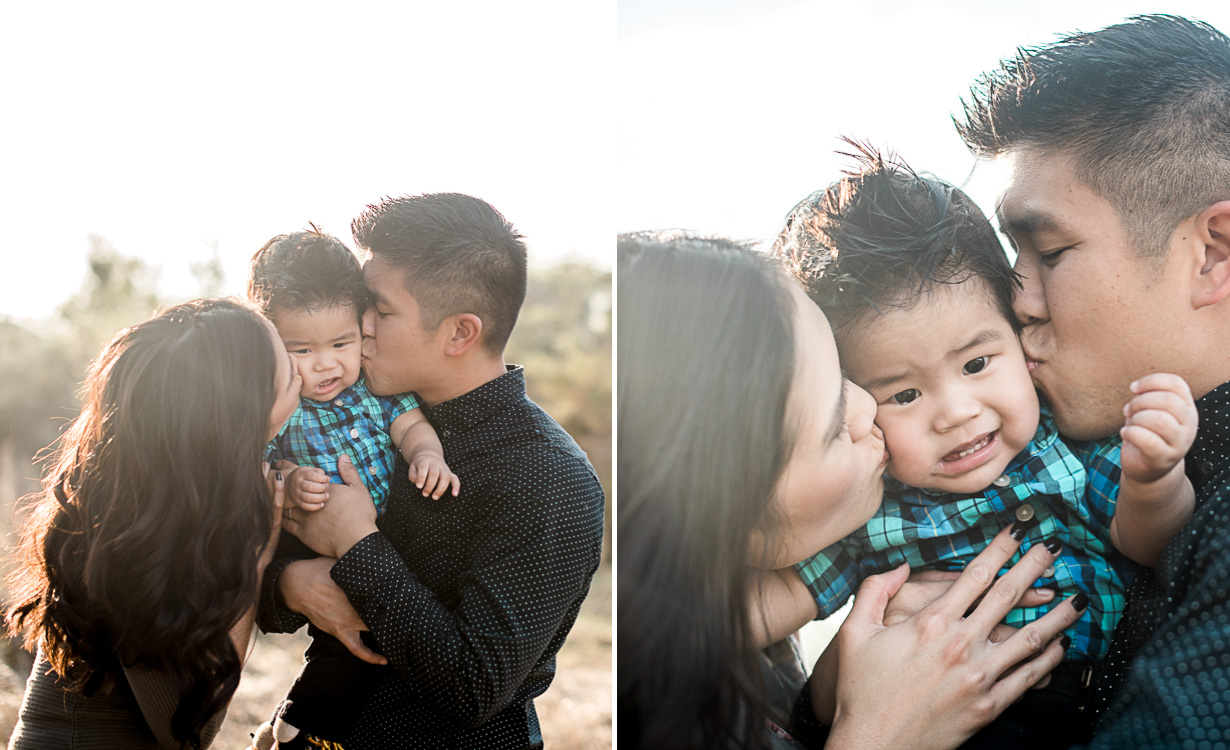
x: 305, y: 270
x: 884, y: 235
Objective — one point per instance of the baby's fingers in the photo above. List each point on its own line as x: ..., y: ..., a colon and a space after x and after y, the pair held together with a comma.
x: 454, y: 481
x: 429, y: 484
x: 1163, y: 381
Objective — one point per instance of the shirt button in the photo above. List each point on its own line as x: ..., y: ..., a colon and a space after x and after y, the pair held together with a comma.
x: 371, y: 470
x: 445, y: 433
x: 354, y: 433
x: 1206, y: 467
x: 1002, y: 481
x: 338, y: 402
x: 1025, y: 512
x: 1049, y: 572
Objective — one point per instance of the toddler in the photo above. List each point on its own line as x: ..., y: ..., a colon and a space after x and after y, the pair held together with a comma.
x: 919, y: 293
x: 310, y: 286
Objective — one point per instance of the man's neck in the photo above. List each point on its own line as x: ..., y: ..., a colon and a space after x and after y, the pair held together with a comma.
x: 463, y: 378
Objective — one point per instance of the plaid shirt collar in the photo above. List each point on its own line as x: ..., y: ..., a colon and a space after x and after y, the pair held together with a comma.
x: 459, y: 415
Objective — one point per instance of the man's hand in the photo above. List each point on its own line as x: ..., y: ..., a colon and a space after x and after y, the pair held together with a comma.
x: 349, y: 516
x: 430, y: 474
x: 306, y: 588
x: 307, y: 487
x: 1160, y: 426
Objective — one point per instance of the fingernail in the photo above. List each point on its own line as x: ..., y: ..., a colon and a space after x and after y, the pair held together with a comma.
x: 1018, y: 532
x: 277, y: 475
x: 1053, y: 545
x: 1066, y: 641
x: 1053, y: 586
x: 1080, y: 601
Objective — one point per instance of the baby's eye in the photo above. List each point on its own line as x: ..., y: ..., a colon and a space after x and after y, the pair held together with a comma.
x: 976, y: 365
x: 341, y: 345
x: 906, y: 396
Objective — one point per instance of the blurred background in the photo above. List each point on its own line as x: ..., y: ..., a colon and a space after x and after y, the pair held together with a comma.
x: 149, y: 150
x: 730, y: 112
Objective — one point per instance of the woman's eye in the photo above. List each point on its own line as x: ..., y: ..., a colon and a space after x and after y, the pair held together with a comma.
x: 301, y: 351
x: 976, y: 365
x: 906, y: 396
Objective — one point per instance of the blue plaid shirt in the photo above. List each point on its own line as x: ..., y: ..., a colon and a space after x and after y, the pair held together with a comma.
x: 355, y: 422
x: 1071, y: 490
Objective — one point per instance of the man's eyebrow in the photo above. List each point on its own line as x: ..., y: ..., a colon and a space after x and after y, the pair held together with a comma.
x: 839, y: 413
x: 1027, y: 223
x: 982, y: 337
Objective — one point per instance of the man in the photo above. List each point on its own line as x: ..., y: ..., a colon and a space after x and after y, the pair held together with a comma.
x: 1118, y: 205
x: 469, y: 598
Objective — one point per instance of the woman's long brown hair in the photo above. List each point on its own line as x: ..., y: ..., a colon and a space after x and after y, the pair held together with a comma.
x: 142, y: 547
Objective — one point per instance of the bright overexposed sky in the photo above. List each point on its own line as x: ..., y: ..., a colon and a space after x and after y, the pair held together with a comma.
x: 170, y: 127
x: 729, y: 112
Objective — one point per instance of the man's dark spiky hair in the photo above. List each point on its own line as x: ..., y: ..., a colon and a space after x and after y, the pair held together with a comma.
x: 1142, y: 107
x: 884, y: 235
x: 305, y: 270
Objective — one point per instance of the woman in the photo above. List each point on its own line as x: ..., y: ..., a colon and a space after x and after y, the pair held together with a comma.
x: 140, y: 560
x: 740, y: 442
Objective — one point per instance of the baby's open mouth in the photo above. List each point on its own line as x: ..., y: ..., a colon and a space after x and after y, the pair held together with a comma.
x: 969, y: 448
x: 326, y: 385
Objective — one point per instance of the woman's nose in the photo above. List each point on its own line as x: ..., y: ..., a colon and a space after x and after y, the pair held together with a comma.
x: 860, y: 412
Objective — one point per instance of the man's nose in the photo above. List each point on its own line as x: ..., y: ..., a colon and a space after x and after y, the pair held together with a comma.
x: 368, y: 326
x: 1029, y: 302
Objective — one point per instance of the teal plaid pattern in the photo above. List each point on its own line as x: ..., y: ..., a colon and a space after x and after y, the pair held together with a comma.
x: 1072, y: 488
x: 356, y: 422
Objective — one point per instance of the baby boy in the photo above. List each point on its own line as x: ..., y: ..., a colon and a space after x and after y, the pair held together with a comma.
x: 311, y: 287
x: 919, y: 293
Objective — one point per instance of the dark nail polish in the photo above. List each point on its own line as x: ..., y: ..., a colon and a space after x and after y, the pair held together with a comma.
x: 1066, y: 641
x: 1080, y: 601
x: 278, y: 474
x: 1053, y: 545
x: 1053, y: 586
x: 1018, y: 532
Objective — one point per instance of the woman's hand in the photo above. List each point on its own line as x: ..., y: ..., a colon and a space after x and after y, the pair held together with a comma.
x: 934, y: 679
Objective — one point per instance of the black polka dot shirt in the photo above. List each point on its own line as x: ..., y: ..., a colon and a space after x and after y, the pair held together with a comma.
x: 1166, y: 681
x: 471, y: 597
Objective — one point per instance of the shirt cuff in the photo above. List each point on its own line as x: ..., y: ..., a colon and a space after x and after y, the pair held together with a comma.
x: 365, y: 571
x: 272, y: 616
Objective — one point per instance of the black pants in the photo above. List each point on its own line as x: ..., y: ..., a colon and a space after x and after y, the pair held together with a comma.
x: 332, y: 689
x: 1056, y: 716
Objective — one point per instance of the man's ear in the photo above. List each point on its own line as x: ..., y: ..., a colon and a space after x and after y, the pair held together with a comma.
x: 464, y: 330
x: 1213, y: 232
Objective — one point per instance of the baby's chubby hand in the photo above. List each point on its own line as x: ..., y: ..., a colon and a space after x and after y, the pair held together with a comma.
x: 307, y: 487
x: 431, y: 475
x: 1160, y: 427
